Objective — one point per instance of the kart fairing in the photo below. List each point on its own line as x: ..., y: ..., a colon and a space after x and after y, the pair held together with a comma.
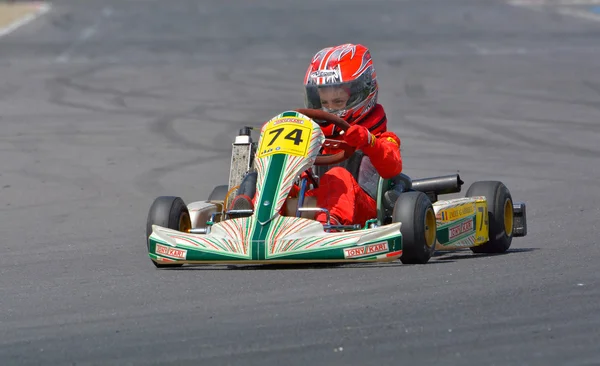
x: 288, y: 145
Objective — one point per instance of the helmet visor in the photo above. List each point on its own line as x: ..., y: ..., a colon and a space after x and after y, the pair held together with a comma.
x: 337, y: 97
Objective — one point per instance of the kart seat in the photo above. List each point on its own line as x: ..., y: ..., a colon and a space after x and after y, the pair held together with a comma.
x: 390, y: 190
x: 248, y: 185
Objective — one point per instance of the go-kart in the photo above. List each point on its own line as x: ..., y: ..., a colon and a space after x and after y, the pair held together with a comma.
x: 411, y: 222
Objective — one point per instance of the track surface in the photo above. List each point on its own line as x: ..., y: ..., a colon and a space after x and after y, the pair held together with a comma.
x: 104, y: 106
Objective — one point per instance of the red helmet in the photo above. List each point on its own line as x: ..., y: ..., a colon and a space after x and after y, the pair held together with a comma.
x: 342, y: 80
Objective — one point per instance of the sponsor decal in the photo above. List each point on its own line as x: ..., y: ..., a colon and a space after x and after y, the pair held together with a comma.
x: 323, y: 73
x: 466, y: 242
x: 456, y: 213
x: 329, y: 76
x: 458, y: 230
x: 289, y: 120
x: 171, y: 252
x: 365, y: 250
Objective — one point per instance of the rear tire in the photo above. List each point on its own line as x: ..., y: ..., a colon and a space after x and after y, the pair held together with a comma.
x: 169, y: 212
x: 419, y: 230
x: 500, y: 215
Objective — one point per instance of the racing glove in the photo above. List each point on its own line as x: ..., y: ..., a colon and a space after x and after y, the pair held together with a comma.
x: 359, y: 137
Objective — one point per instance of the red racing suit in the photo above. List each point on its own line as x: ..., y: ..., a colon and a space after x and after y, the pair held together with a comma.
x: 339, y: 191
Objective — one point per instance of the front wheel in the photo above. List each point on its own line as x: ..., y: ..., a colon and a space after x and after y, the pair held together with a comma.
x: 419, y: 230
x: 169, y: 212
x: 500, y: 215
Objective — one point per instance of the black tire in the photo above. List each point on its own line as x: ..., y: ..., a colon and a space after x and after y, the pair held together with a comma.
x: 415, y: 211
x: 218, y: 193
x: 496, y: 195
x: 170, y: 212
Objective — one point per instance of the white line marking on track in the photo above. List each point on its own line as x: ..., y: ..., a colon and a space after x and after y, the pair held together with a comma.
x: 43, y: 8
x: 579, y: 13
x: 85, y: 35
x: 484, y: 51
x: 564, y: 7
x: 553, y: 2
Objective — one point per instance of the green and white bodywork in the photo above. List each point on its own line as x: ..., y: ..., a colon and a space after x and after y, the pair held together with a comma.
x: 288, y: 146
x: 410, y: 226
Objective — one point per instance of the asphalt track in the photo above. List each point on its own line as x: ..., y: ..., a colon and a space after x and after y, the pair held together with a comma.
x: 106, y: 105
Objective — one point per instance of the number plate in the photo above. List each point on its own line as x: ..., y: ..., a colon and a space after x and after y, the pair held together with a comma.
x: 481, y: 220
x: 286, y: 135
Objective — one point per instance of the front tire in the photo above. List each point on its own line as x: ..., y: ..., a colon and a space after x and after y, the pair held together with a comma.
x: 419, y: 230
x: 500, y: 215
x: 169, y: 212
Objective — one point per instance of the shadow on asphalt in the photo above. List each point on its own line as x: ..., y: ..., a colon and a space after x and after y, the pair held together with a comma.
x: 282, y: 267
x: 438, y: 258
x: 467, y: 254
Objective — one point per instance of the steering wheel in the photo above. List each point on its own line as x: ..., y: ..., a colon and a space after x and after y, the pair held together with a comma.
x: 346, y: 150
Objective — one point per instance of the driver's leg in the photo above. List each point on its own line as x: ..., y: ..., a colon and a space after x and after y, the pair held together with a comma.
x: 346, y: 201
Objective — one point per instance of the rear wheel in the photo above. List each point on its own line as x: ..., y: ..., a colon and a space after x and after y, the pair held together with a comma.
x: 419, y: 231
x: 169, y: 212
x: 500, y: 215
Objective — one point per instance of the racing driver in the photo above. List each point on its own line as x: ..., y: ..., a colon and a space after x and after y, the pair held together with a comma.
x: 342, y: 80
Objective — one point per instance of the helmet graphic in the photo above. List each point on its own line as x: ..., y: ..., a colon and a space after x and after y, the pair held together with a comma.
x: 342, y: 80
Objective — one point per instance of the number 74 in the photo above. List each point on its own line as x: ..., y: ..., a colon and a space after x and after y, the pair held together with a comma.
x: 294, y: 135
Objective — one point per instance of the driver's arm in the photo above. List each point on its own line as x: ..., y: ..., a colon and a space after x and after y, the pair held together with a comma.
x: 384, y: 151
x: 382, y: 148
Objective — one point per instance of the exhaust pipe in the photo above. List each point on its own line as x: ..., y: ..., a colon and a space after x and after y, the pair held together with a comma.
x: 445, y: 184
